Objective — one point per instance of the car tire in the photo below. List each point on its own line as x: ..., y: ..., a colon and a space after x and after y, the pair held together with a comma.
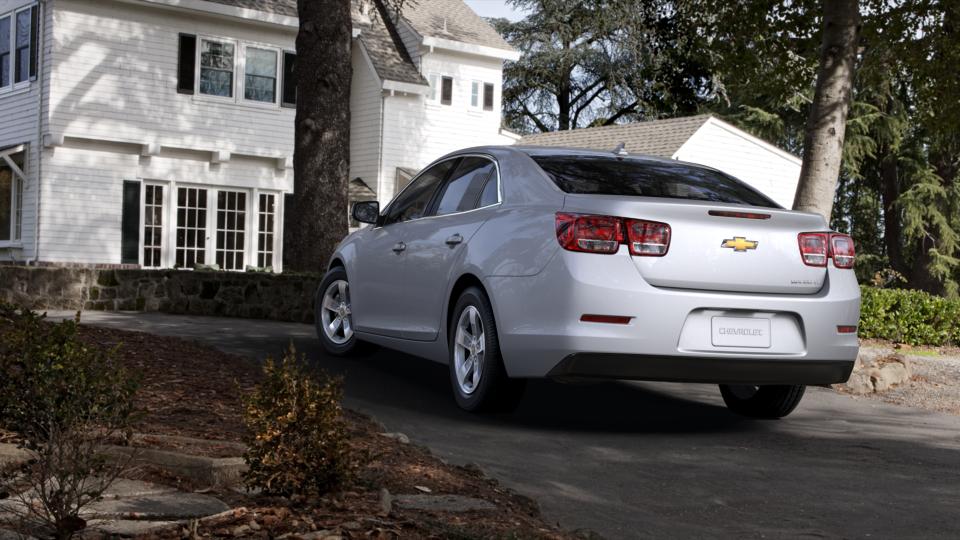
x: 770, y: 402
x: 491, y: 390
x: 341, y: 340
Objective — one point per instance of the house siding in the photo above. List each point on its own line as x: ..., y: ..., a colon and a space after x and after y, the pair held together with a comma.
x: 770, y: 172
x: 418, y: 131
x: 20, y: 115
x: 365, y: 120
x: 114, y: 89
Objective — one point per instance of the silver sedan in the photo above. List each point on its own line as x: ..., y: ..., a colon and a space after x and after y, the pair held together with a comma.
x: 509, y: 263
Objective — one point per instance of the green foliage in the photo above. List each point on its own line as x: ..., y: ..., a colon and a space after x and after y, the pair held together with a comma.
x: 64, y: 400
x: 51, y: 381
x: 909, y: 316
x: 298, y: 443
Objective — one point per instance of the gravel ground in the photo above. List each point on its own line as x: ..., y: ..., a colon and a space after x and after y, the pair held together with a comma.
x: 934, y: 385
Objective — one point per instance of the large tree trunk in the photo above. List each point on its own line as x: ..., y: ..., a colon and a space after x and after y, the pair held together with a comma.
x: 889, y: 195
x: 823, y: 142
x: 316, y: 218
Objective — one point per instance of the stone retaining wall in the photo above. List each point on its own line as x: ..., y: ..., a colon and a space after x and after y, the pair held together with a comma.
x: 282, y: 297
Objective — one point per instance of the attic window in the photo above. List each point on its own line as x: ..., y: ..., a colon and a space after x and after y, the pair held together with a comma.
x: 487, y: 97
x: 446, y: 90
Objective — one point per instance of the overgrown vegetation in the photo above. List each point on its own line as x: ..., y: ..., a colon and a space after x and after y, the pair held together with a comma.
x: 64, y: 401
x: 298, y: 443
x: 909, y: 316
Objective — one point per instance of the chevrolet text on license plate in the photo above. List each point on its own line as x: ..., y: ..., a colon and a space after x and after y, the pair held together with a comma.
x: 740, y: 332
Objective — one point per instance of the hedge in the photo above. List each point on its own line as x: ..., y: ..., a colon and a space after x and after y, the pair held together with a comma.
x: 908, y: 316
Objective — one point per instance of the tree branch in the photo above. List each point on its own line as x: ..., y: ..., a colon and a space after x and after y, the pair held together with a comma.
x: 626, y: 110
x: 536, y: 121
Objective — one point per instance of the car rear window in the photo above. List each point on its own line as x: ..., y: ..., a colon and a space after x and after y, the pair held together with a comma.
x: 600, y: 175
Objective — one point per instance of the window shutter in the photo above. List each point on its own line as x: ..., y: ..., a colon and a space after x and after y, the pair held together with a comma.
x: 446, y: 91
x: 130, y: 224
x: 289, y: 98
x: 487, y: 97
x: 34, y: 40
x: 186, y: 65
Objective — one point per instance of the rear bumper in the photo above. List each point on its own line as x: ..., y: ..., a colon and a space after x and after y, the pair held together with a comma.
x: 669, y: 333
x: 702, y: 369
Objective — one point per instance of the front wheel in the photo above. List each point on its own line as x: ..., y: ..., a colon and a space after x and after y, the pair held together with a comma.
x: 477, y: 374
x: 762, y: 401
x: 333, y: 315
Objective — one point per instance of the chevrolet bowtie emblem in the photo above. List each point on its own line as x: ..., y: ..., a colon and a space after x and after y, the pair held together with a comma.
x: 739, y: 243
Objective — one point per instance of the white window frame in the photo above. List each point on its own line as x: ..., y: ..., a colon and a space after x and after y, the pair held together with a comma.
x: 164, y: 221
x: 168, y: 252
x: 278, y: 73
x: 198, y: 68
x: 239, y: 72
x: 433, y: 79
x: 12, y: 15
x: 277, y: 198
x: 476, y: 95
x: 19, y: 178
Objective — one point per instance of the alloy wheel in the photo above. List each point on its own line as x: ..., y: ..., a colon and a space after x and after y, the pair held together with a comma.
x: 335, y: 314
x: 468, y: 350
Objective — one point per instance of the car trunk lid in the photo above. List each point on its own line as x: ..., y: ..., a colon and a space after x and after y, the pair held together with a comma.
x: 718, y: 247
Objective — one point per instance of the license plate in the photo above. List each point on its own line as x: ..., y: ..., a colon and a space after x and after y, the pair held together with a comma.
x: 740, y: 332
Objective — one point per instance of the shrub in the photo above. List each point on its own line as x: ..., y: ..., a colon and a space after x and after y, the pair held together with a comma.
x: 909, y: 316
x: 64, y: 401
x: 298, y: 443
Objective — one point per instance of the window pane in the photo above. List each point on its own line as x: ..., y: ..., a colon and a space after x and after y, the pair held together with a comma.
x: 230, y: 228
x: 647, y: 178
x: 216, y: 68
x: 22, y: 67
x: 5, y: 51
x: 412, y: 203
x: 260, y: 83
x: 490, y: 194
x: 475, y: 94
x: 463, y: 189
x: 488, y: 97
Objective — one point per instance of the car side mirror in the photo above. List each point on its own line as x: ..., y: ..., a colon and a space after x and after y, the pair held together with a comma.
x: 366, y: 211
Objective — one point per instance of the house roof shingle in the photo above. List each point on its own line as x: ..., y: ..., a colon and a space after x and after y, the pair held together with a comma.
x: 661, y: 138
x: 451, y: 19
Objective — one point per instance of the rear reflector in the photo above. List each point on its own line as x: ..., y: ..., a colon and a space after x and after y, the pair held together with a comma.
x: 816, y: 248
x: 604, y: 234
x: 743, y: 215
x: 847, y: 329
x: 609, y: 319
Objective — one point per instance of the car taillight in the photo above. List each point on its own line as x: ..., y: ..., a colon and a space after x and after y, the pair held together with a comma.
x: 816, y: 248
x: 604, y: 234
x: 648, y: 238
x: 842, y: 251
x: 592, y: 234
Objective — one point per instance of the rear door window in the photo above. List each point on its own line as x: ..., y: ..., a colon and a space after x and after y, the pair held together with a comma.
x: 600, y: 175
x: 462, y: 191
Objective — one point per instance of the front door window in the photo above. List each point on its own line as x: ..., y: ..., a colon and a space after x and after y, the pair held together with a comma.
x: 191, y: 227
x: 231, y: 225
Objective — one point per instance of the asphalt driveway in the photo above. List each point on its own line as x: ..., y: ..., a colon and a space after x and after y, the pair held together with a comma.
x: 633, y: 460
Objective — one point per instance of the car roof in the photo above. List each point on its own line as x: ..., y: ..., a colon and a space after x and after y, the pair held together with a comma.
x: 560, y: 151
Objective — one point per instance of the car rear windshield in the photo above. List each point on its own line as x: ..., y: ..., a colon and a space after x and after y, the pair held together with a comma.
x: 600, y: 175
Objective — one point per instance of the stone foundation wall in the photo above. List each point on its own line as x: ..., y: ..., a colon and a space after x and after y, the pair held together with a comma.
x: 282, y: 297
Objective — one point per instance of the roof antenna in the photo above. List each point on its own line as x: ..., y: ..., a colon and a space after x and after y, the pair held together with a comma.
x: 620, y: 150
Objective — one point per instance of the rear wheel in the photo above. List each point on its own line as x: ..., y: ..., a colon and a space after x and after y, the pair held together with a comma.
x: 479, y: 380
x: 762, y: 401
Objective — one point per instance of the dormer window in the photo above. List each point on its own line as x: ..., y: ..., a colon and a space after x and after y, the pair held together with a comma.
x: 446, y: 90
x: 216, y: 68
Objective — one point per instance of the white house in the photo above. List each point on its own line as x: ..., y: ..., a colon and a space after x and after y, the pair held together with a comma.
x: 159, y: 133
x: 703, y: 139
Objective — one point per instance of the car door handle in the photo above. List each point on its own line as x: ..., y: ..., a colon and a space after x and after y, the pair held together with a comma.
x: 454, y: 240
x: 399, y: 247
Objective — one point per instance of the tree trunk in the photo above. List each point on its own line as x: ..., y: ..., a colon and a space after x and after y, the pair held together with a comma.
x: 316, y: 216
x: 823, y: 141
x: 889, y: 195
